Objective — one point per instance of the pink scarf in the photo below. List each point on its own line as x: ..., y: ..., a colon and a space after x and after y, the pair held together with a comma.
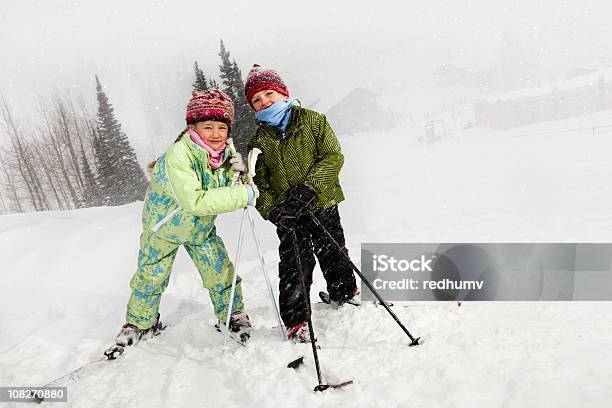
x: 215, y: 157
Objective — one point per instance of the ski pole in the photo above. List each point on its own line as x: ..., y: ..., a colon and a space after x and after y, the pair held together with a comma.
x: 415, y: 341
x: 265, y: 273
x: 235, y: 182
x: 321, y: 386
x: 234, y: 277
x: 251, y: 163
x: 252, y: 159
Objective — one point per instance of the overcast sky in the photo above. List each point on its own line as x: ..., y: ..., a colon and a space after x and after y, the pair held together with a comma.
x: 323, y: 49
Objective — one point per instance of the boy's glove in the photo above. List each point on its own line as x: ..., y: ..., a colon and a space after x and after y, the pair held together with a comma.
x: 237, y: 163
x: 283, y: 217
x: 299, y: 197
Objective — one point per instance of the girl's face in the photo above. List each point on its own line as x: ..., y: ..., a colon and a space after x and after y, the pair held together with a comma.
x: 212, y: 132
x: 263, y: 99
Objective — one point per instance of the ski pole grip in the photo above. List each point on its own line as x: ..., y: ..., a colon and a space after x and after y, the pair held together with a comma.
x: 252, y: 161
x: 230, y: 143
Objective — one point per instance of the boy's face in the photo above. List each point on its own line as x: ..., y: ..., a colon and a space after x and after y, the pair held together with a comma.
x: 212, y: 132
x: 263, y: 99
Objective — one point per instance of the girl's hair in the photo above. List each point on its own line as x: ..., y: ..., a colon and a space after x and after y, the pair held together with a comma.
x: 181, y: 134
x: 152, y: 163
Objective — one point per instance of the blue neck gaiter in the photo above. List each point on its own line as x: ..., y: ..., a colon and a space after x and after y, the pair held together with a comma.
x: 276, y: 115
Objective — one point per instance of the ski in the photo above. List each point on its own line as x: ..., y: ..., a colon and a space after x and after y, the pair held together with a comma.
x: 73, y: 375
x: 324, y: 296
x: 108, y: 355
x: 338, y: 385
x: 299, y: 362
x: 221, y: 329
x: 77, y: 373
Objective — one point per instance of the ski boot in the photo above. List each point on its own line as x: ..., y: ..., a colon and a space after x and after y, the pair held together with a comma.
x: 131, y: 335
x: 354, y: 300
x: 239, y: 327
x: 299, y: 333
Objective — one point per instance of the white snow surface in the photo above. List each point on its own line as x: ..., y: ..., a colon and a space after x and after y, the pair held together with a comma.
x: 65, y: 283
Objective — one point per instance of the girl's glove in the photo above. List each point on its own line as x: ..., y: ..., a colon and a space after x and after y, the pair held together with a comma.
x: 253, y: 193
x: 255, y: 189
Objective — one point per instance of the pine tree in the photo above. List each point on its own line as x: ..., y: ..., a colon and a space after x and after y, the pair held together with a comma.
x: 90, y: 190
x: 120, y: 178
x: 227, y: 72
x: 213, y: 84
x: 245, y: 125
x: 200, y: 83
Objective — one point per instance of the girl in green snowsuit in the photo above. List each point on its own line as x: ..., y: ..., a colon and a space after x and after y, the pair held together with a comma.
x: 190, y: 184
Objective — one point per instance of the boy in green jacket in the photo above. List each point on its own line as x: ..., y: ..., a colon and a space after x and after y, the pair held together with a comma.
x: 190, y: 184
x: 298, y: 170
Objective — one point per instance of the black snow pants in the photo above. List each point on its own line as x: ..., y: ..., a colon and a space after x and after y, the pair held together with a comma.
x: 312, y: 241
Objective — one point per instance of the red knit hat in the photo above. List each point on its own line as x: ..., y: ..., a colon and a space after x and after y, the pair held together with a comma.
x: 262, y: 79
x: 210, y: 104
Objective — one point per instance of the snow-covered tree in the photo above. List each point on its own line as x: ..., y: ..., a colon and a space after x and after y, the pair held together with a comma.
x: 245, y: 125
x: 90, y: 188
x: 120, y: 178
x: 200, y: 83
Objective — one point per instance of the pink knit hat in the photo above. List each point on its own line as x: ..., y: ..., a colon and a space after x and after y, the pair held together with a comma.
x: 210, y: 104
x: 262, y: 79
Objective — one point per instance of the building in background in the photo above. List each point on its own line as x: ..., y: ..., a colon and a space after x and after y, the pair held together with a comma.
x: 357, y: 112
x: 583, y: 91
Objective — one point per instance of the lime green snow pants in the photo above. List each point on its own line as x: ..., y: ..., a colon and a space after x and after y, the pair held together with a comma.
x: 155, y: 258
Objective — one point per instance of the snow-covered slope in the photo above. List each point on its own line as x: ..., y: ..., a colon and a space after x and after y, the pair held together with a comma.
x: 64, y: 282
